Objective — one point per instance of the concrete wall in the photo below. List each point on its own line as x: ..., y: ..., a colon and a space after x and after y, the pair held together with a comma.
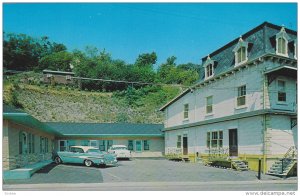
x: 11, y: 157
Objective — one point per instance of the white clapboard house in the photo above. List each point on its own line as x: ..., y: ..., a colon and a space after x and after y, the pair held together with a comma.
x: 244, y: 108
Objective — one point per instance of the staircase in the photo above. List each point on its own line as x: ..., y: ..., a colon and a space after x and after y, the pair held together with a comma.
x: 282, y: 167
x: 239, y: 165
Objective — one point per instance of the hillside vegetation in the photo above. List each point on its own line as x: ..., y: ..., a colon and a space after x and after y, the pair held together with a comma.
x: 65, y: 104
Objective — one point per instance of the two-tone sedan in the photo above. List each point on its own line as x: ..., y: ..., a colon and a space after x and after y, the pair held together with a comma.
x: 86, y: 155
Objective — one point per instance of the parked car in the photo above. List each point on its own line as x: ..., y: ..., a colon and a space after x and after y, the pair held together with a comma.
x: 84, y: 154
x: 120, y: 151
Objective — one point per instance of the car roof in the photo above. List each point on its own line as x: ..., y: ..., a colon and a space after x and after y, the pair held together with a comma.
x: 84, y: 148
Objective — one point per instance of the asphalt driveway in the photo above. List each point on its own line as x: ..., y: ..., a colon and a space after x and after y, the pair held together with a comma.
x: 138, y: 170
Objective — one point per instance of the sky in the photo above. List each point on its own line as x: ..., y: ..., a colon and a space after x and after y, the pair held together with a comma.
x: 188, y: 31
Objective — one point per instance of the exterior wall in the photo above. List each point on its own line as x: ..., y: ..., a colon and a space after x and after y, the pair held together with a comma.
x: 156, y: 145
x: 224, y: 94
x: 57, y: 79
x: 281, y: 136
x: 5, y: 146
x: 291, y: 90
x: 250, y: 136
x: 14, y: 159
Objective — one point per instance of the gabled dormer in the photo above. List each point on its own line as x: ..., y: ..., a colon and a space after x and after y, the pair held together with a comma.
x: 209, y: 67
x: 282, y: 40
x: 241, y: 52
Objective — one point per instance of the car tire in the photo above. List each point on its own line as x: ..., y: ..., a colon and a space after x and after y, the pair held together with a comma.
x: 88, y: 163
x: 57, y: 160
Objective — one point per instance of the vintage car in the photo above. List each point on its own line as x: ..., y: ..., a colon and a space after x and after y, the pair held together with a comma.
x: 84, y: 154
x: 120, y: 151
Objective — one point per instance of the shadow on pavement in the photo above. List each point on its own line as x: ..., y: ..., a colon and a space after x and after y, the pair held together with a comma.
x: 46, y: 169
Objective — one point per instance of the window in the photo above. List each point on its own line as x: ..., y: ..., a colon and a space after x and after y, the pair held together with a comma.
x: 84, y: 142
x: 241, y: 99
x: 102, y: 145
x: 241, y: 55
x: 209, y: 67
x: 42, y: 144
x: 48, y: 75
x: 78, y: 150
x: 46, y: 145
x: 282, y: 42
x: 209, y: 102
x: 20, y: 143
x: 109, y: 143
x: 130, y: 144
x: 216, y: 139
x: 295, y: 49
x: 282, y: 46
x: 30, y: 143
x: 62, y: 145
x: 209, y: 70
x: 93, y: 143
x: 281, y: 91
x: 68, y: 77
x: 241, y: 52
x: 208, y: 139
x: 71, y: 143
x: 146, y: 145
x: 186, y: 111
x: 178, y: 141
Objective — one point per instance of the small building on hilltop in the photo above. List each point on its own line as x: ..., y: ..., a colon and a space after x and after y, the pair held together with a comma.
x: 58, y: 77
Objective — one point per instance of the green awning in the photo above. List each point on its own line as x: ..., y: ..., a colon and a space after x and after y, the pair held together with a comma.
x: 25, y: 119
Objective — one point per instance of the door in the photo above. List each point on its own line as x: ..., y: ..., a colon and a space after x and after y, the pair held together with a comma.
x: 233, y: 142
x: 185, y: 144
x: 138, y: 145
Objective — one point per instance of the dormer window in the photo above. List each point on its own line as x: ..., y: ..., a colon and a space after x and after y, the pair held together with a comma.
x: 241, y: 52
x: 209, y: 67
x: 282, y: 43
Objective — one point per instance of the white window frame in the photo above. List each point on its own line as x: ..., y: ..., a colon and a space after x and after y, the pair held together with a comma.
x: 282, y: 34
x: 209, y: 62
x: 218, y: 139
x: 241, y: 44
x: 240, y: 96
x: 284, y: 91
x: 186, y: 111
x: 206, y: 105
x: 295, y: 49
x: 49, y: 75
x: 286, y: 47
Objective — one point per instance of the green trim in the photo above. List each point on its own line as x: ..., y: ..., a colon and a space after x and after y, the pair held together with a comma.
x: 26, y: 119
x: 232, y: 117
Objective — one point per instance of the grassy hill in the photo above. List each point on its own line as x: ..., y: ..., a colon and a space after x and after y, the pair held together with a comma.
x: 65, y: 104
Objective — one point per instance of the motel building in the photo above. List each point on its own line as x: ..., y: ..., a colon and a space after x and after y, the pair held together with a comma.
x: 244, y: 108
x: 27, y: 143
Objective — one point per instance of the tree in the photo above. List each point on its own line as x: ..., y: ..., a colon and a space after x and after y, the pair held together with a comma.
x: 147, y: 59
x: 57, y: 61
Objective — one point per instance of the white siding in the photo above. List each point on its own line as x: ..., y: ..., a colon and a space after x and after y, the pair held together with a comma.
x: 250, y: 135
x: 281, y: 135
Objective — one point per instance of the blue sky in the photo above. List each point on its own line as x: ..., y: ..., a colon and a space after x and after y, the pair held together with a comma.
x: 187, y: 31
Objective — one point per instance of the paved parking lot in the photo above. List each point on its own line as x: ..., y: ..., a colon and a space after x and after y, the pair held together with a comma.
x: 138, y: 170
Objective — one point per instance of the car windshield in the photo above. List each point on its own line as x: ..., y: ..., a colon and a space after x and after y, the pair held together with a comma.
x: 119, y: 148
